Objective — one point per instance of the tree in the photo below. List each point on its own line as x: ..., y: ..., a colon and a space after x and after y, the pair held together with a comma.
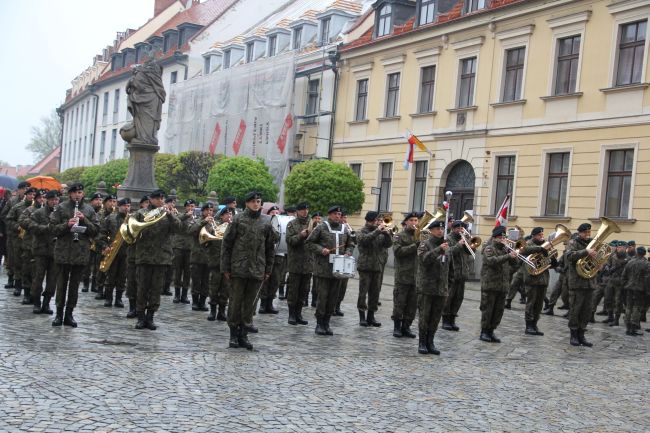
x: 239, y: 175
x: 164, y: 164
x: 70, y: 175
x: 91, y: 177
x: 191, y: 172
x: 323, y: 183
x: 114, y: 173
x: 45, y: 137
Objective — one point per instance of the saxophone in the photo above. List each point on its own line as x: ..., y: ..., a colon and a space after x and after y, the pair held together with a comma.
x: 588, y: 267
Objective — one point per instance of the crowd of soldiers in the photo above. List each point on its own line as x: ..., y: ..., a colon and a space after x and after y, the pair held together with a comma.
x: 54, y: 245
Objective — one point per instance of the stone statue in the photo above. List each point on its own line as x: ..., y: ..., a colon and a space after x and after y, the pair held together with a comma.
x: 146, y: 94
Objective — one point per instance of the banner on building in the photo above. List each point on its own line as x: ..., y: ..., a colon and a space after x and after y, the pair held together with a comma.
x: 245, y: 110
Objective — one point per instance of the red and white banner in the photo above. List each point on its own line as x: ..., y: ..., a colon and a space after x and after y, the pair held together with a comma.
x: 215, y: 138
x: 502, y: 215
x: 236, y: 145
x: 282, y: 140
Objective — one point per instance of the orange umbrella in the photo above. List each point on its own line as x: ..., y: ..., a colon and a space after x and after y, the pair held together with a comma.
x: 44, y: 182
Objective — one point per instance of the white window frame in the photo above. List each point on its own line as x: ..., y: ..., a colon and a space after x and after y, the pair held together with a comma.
x: 625, y: 13
x: 360, y: 162
x: 411, y: 184
x: 392, y: 184
x: 602, y: 175
x: 464, y: 50
x: 356, y: 99
x: 427, y: 58
x: 392, y: 65
x: 360, y: 72
x: 493, y: 186
x: 510, y: 39
x: 543, y: 180
x: 563, y: 27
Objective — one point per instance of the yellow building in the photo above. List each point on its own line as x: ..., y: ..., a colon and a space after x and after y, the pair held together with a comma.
x: 546, y: 100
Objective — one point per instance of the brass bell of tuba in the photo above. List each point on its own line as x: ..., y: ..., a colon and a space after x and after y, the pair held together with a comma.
x: 543, y: 262
x: 134, y: 228
x: 218, y: 230
x: 421, y: 232
x: 588, y: 267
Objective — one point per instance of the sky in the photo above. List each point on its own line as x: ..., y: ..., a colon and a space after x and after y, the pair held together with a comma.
x: 47, y: 44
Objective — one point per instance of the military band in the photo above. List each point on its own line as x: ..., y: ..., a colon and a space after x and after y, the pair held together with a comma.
x: 237, y: 258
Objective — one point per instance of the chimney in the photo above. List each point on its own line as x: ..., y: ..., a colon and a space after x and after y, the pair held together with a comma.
x: 161, y: 5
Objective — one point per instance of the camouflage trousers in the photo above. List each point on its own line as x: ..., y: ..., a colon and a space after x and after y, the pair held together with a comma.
x: 560, y: 290
x: 455, y: 298
x: 534, y: 302
x: 516, y: 285
x: 369, y: 287
x: 219, y: 287
x: 430, y: 311
x: 200, y: 279
x: 342, y: 289
x: 116, y: 276
x: 271, y: 285
x: 131, y: 281
x: 44, y: 269
x: 580, y: 302
x: 67, y: 285
x: 636, y: 300
x: 405, y: 302
x: 243, y: 294
x: 150, y: 283
x: 181, y: 265
x: 297, y: 288
x: 614, y: 297
x: 328, y: 295
x: 492, y: 306
x: 27, y: 267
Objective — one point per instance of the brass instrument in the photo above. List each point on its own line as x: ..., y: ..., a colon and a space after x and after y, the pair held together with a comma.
x: 471, y: 242
x: 21, y: 233
x: 421, y: 232
x: 518, y: 245
x: 134, y: 227
x: 109, y: 257
x: 218, y: 231
x: 310, y: 226
x: 543, y: 262
x: 388, y: 225
x: 588, y: 267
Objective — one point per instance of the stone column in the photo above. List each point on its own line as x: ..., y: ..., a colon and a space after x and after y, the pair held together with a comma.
x: 140, y: 178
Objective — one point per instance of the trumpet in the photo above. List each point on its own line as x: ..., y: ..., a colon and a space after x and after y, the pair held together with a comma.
x: 388, y: 226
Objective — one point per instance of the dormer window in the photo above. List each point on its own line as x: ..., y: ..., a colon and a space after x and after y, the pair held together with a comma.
x: 250, y: 52
x: 474, y: 5
x: 226, y: 59
x: 273, y: 44
x: 297, y: 38
x: 170, y: 40
x: 384, y: 23
x: 427, y: 12
x: 325, y: 30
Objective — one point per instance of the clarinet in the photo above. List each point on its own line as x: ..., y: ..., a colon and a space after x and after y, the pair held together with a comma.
x: 75, y: 236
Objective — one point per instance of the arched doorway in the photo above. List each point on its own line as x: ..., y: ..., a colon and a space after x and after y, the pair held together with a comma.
x: 460, y: 181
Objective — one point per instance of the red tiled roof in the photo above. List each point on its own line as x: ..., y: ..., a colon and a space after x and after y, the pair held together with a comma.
x: 201, y: 14
x: 40, y: 165
x: 453, y: 15
x: 346, y: 5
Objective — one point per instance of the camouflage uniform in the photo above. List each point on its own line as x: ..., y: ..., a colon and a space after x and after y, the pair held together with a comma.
x: 27, y: 257
x: 199, y: 266
x: 373, y: 245
x: 299, y: 265
x: 636, y: 282
x: 182, y: 246
x: 560, y: 289
x: 12, y: 236
x: 117, y: 273
x: 43, y: 252
x: 614, y: 288
x: 16, y: 250
x: 459, y: 264
x: 432, y: 287
x: 91, y: 271
x: 219, y: 285
x: 580, y: 289
x: 405, y: 301
x: 535, y: 286
x: 495, y: 280
x: 516, y: 283
x: 131, y: 280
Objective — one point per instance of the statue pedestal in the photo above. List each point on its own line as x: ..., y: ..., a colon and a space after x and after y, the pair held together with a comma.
x: 140, y: 178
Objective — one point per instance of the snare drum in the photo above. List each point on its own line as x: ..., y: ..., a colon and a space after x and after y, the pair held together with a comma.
x: 344, y: 266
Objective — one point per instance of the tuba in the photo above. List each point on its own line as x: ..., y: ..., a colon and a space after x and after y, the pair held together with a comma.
x: 421, y: 232
x: 134, y: 227
x: 543, y: 262
x: 108, y: 259
x: 588, y: 267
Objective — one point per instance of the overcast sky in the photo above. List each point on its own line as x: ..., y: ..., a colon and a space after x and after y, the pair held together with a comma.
x: 47, y: 44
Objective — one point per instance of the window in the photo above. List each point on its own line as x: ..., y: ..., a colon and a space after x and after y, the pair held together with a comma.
x: 474, y: 5
x: 385, y: 171
x: 427, y: 11
x: 273, y: 42
x: 383, y: 25
x: 392, y: 95
x: 297, y: 37
x: 630, y: 53
x: 116, y: 105
x: 102, y: 147
x: 362, y: 99
x: 173, y: 77
x: 566, y: 74
x: 356, y: 168
x: 467, y: 78
x: 419, y: 186
x: 514, y: 74
x: 113, y: 144
x: 125, y: 152
x: 226, y: 59
x: 619, y: 182
x: 325, y: 31
x: 556, y: 183
x: 250, y: 47
x: 105, y: 112
x: 505, y: 179
x: 206, y: 65
x: 312, y: 101
x: 427, y: 82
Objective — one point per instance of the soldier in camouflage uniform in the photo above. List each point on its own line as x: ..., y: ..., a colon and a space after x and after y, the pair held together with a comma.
x: 344, y: 281
x: 495, y: 271
x: 600, y: 283
x: 329, y: 237
x: 10, y: 260
x: 636, y: 282
x: 131, y: 274
x: 116, y: 274
x: 405, y: 249
x: 27, y: 257
x: 299, y: 264
x: 72, y: 250
x: 613, y: 291
x: 43, y: 252
x: 317, y: 218
x: 459, y: 264
x: 432, y: 284
x: 270, y: 288
x: 13, y: 230
x: 560, y: 289
x: 182, y: 245
x: 282, y: 289
x: 153, y: 253
x: 246, y: 260
x: 90, y: 271
x: 169, y: 272
x: 109, y: 201
x: 199, y: 259
x: 580, y: 289
x: 219, y: 286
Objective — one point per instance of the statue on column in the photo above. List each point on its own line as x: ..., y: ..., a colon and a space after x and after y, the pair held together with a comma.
x: 146, y: 95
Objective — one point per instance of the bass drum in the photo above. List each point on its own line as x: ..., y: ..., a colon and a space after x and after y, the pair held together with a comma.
x: 279, y: 223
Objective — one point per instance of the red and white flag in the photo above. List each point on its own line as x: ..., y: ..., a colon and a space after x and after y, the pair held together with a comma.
x: 502, y: 215
x: 413, y: 141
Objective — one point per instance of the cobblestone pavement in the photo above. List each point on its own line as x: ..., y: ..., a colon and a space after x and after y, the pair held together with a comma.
x: 105, y: 376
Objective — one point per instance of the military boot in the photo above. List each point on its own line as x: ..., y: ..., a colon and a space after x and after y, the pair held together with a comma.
x: 314, y: 298
x: 100, y: 293
x: 549, y: 310
x: 563, y: 307
x: 485, y: 336
x: 141, y: 323
x: 132, y: 313
x: 431, y: 348
x: 362, y: 318
x: 529, y: 328
x: 269, y: 307
x: 281, y: 295
x: 609, y: 319
x: 221, y: 314
x: 494, y: 338
x: 422, y: 344
x: 319, y: 327
x: 371, y: 320
x: 582, y: 340
x: 454, y: 327
x: 177, y: 295
x: 397, y: 328
x: 58, y: 319
x: 299, y: 318
x: 45, y: 305
x: 27, y: 299
x: 338, y: 311
x: 201, y: 306
x: 118, y: 299
x: 636, y: 331
x: 574, y: 338
x: 234, y: 337
x: 249, y: 327
x: 93, y: 285
x: 108, y: 298
x: 37, y: 305
x: 213, y: 313
x: 10, y: 283
x: 195, y: 302
x: 537, y: 331
x: 326, y: 326
x: 86, y: 283
x: 68, y: 320
x: 616, y: 320
x: 149, y: 323
x: 292, y: 316
x: 592, y: 319
x: 602, y: 312
x: 446, y: 325
x: 628, y: 329
x: 522, y: 299
x: 18, y: 287
x: 508, y: 305
x: 243, y: 339
x: 184, y: 299
x: 406, y: 329
x: 166, y: 291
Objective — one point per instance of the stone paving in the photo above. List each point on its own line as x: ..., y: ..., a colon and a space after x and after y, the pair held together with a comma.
x: 105, y: 376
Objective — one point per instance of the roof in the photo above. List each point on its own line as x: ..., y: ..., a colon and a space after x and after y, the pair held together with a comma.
x: 201, y: 14
x: 17, y: 171
x: 40, y: 165
x: 455, y: 14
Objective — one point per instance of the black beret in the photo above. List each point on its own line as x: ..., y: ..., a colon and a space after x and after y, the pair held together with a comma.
x: 223, y: 210
x: 31, y: 191
x: 144, y: 198
x: 110, y: 197
x: 229, y: 199
x: 436, y: 223
x: 371, y: 215
x: 498, y: 231
x: 334, y: 209
x: 52, y: 193
x: 315, y: 214
x: 641, y: 251
x: 271, y: 209
x: 622, y: 244
x: 613, y: 243
x: 96, y: 195
x: 457, y: 223
x: 123, y: 201
x: 253, y: 195
x: 344, y: 212
x: 169, y: 200
x: 207, y: 205
x: 159, y: 193
x: 411, y: 215
x: 24, y: 184
x: 303, y: 205
x: 189, y: 202
x: 77, y: 186
x: 584, y: 227
x: 40, y: 193
x: 631, y: 243
x: 528, y: 237
x: 537, y: 230
x: 290, y: 209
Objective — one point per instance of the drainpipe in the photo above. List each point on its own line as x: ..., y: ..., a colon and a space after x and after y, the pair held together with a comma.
x: 92, y: 89
x: 333, y: 57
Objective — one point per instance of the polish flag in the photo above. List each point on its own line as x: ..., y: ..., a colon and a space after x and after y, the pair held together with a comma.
x: 413, y: 141
x: 408, y: 160
x: 502, y: 215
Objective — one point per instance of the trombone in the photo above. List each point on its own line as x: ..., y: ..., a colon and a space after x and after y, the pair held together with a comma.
x: 515, y: 245
x: 471, y: 242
